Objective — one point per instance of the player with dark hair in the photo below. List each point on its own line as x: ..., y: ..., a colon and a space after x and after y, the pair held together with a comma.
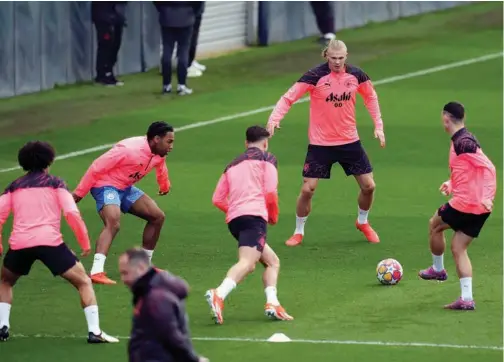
x: 472, y: 185
x: 37, y: 200
x: 110, y: 179
x: 247, y: 193
x: 332, y: 133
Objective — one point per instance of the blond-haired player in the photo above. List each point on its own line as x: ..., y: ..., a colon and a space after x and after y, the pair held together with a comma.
x: 333, y: 136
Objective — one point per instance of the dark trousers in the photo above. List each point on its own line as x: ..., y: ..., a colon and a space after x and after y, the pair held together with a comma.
x: 109, y: 42
x: 194, y: 39
x: 324, y: 15
x: 181, y: 36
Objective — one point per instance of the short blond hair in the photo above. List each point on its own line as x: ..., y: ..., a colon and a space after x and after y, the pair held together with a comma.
x: 334, y: 44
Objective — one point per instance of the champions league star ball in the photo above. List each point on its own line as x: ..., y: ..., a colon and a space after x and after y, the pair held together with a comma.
x: 389, y: 272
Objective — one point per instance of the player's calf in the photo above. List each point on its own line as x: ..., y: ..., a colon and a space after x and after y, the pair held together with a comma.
x: 78, y: 278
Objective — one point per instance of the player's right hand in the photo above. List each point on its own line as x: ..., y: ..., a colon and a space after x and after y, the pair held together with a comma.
x: 488, y: 205
x: 271, y: 128
x: 445, y: 188
x: 76, y: 198
x: 85, y: 253
x: 1, y: 246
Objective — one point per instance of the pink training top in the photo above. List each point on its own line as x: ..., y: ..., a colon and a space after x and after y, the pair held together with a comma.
x: 248, y: 186
x: 473, y: 177
x: 36, y: 201
x: 123, y: 165
x: 332, y: 104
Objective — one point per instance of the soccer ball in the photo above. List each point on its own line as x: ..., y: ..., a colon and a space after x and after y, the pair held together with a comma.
x: 389, y: 271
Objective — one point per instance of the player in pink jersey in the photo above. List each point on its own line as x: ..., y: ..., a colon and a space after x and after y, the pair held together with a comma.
x: 37, y: 200
x: 110, y: 179
x: 333, y: 136
x: 472, y: 185
x: 247, y: 193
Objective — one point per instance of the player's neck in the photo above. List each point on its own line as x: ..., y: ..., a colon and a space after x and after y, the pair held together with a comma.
x: 255, y: 145
x: 455, y: 128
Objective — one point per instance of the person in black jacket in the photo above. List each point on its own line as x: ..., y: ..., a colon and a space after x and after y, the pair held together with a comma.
x: 160, y: 332
x: 177, y: 20
x: 109, y: 18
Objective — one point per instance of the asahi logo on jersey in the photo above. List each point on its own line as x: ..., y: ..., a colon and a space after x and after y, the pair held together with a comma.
x: 338, y: 99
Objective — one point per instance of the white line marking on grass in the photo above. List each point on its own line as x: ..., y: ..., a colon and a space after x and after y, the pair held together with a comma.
x: 306, y: 341
x: 269, y: 108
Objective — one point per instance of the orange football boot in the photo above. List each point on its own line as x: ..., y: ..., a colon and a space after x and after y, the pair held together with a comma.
x: 368, y: 232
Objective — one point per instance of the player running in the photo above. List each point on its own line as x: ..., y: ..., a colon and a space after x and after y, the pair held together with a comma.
x: 36, y: 200
x: 110, y: 179
x: 247, y: 193
x: 332, y: 133
x: 472, y: 185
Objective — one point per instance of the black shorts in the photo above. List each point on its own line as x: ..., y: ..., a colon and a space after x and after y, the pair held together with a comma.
x: 352, y: 157
x: 469, y: 224
x: 58, y: 259
x: 249, y: 230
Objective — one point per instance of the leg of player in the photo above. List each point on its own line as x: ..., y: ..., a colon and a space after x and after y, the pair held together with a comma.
x: 303, y: 208
x: 111, y: 216
x: 459, y: 245
x: 147, y: 209
x: 78, y: 278
x: 365, y: 201
x: 272, y: 309
x: 247, y: 260
x: 7, y: 281
x: 437, y: 245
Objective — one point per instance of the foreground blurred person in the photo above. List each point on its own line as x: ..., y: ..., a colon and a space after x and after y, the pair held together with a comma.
x: 247, y: 192
x: 159, y: 332
x: 37, y: 200
x: 472, y: 186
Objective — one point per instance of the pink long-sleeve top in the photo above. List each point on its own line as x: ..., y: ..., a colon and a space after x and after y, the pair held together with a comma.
x: 124, y: 165
x: 332, y: 104
x: 248, y: 186
x: 472, y: 175
x: 37, y: 201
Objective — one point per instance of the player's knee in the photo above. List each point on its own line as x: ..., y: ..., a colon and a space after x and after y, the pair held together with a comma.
x: 113, y: 225
x: 248, y: 265
x: 308, y: 190
x: 457, y: 248
x: 158, y: 217
x: 434, y: 226
x: 368, y: 187
x: 275, y: 262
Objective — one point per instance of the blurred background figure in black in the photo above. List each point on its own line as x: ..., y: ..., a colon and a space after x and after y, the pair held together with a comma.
x: 324, y: 15
x: 195, y: 68
x: 176, y: 19
x: 109, y: 18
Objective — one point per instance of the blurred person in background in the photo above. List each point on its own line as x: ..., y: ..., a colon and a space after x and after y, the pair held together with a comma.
x: 176, y: 19
x: 160, y: 331
x: 196, y: 69
x: 109, y: 18
x: 324, y: 15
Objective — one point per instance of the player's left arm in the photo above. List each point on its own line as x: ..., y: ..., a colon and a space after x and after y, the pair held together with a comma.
x: 5, y: 209
x: 271, y: 189
x: 370, y: 97
x: 162, y: 178
x: 219, y: 198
